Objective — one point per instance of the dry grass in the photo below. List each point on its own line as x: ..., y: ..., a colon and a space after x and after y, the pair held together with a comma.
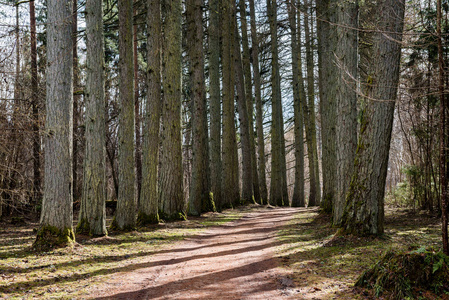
x: 68, y: 272
x: 324, y: 266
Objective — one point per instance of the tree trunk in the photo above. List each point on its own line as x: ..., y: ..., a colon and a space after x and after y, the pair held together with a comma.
x: 443, y: 135
x: 148, y: 204
x: 258, y: 100
x: 315, y: 190
x: 199, y: 199
x: 346, y: 129
x: 56, y: 217
x: 215, y: 104
x: 171, y: 188
x: 35, y: 109
x: 125, y: 218
x: 298, y: 189
x: 364, y: 211
x: 92, y: 218
x: 137, y: 113
x: 247, y: 176
x: 76, y: 102
x: 249, y: 99
x: 231, y: 193
x: 328, y: 86
x: 278, y: 180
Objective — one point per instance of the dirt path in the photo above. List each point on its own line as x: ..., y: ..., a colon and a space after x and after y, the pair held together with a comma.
x: 233, y: 261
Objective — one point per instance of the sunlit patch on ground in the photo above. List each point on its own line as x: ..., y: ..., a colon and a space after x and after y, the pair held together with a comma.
x: 71, y: 271
x: 323, y: 266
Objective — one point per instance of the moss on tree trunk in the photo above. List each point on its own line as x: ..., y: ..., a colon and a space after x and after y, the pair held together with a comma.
x: 49, y: 237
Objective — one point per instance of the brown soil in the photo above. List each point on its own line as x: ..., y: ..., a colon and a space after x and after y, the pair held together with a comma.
x: 233, y: 261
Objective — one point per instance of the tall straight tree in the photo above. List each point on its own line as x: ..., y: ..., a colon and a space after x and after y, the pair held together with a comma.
x: 443, y: 134
x: 315, y: 189
x: 148, y: 204
x: 346, y: 129
x: 278, y: 186
x: 76, y: 103
x: 56, y: 217
x: 298, y: 189
x: 138, y: 153
x: 199, y: 199
x: 92, y: 217
x: 364, y: 210
x: 247, y: 180
x: 215, y: 103
x: 258, y: 101
x: 125, y: 218
x: 326, y: 32
x: 231, y: 192
x: 249, y: 98
x: 171, y: 184
x: 35, y: 107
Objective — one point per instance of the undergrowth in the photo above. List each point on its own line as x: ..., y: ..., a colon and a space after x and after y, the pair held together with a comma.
x: 408, y: 274
x: 325, y: 266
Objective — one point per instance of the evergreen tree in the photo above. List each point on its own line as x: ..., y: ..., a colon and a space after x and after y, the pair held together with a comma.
x: 56, y: 216
x: 92, y: 217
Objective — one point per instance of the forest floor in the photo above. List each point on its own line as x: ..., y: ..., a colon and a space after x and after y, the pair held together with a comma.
x: 246, y: 253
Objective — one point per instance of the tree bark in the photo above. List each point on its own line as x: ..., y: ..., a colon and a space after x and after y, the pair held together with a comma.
x: 171, y: 188
x: 56, y: 217
x: 149, y: 195
x: 249, y: 99
x: 258, y: 101
x: 137, y: 112
x: 92, y: 217
x: 346, y: 129
x: 35, y: 108
x: 298, y: 199
x: 125, y: 218
x: 199, y: 199
x: 278, y: 175
x: 443, y: 136
x: 247, y: 176
x: 215, y: 104
x: 76, y: 102
x: 364, y: 211
x: 231, y: 192
x: 315, y: 190
x: 326, y: 31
